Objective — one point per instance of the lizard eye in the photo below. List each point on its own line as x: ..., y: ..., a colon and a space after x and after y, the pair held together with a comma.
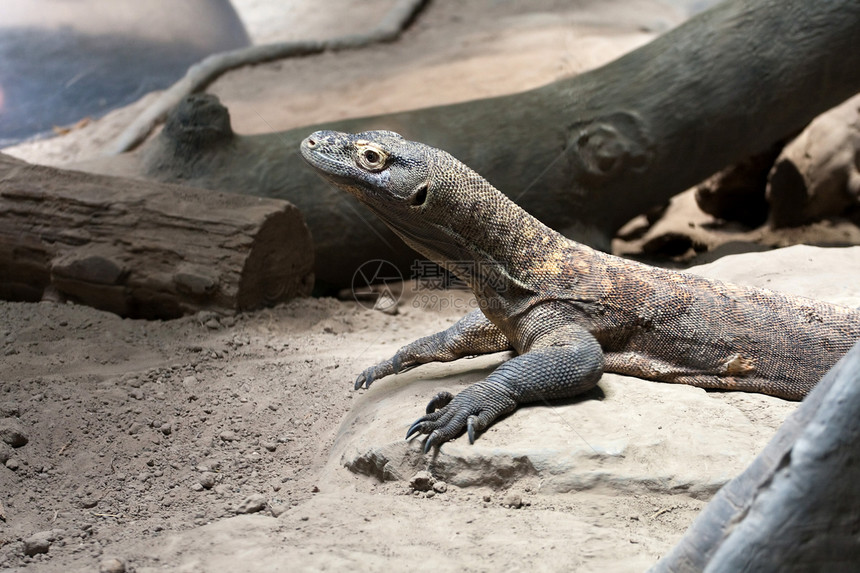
x: 371, y: 158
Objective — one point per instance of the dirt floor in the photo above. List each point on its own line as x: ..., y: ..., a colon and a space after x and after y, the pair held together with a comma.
x: 202, y: 444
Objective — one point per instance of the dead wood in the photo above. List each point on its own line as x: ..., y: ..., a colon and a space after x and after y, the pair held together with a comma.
x: 817, y: 175
x: 143, y: 249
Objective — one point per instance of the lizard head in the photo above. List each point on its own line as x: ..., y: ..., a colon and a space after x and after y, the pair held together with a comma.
x: 390, y: 175
x: 436, y: 204
x: 379, y: 168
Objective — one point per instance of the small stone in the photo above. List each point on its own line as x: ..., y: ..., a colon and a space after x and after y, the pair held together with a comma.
x: 196, y: 486
x: 189, y: 380
x: 228, y: 436
x: 252, y: 504
x: 112, y: 566
x: 9, y: 410
x: 90, y: 502
x: 422, y: 481
x: 166, y: 428
x: 487, y: 498
x: 12, y: 433
x: 136, y: 428
x: 440, y: 487
x: 386, y: 303
x: 38, y: 543
x: 5, y: 452
x: 270, y: 446
x: 278, y: 509
x: 212, y: 323
x: 13, y: 464
x: 207, y: 480
x: 513, y: 500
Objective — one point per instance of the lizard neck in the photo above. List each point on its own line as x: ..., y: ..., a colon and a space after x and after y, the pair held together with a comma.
x: 506, y: 256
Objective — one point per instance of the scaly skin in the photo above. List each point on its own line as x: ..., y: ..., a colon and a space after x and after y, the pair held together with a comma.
x: 568, y: 311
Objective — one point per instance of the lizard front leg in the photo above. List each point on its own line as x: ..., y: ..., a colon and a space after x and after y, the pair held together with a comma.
x: 561, y: 365
x: 471, y: 335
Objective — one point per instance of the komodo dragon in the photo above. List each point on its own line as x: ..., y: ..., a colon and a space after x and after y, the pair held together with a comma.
x: 568, y: 311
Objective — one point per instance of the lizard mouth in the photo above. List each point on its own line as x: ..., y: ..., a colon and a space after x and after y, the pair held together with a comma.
x: 335, y: 171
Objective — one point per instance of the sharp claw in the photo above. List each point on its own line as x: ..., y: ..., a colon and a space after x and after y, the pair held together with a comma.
x: 470, y: 429
x: 428, y: 445
x: 364, y: 379
x: 414, y: 430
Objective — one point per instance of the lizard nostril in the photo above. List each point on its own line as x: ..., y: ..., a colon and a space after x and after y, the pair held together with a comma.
x: 311, y: 142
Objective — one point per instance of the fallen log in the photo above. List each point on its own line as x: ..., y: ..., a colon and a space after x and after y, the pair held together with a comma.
x: 584, y: 154
x: 143, y: 249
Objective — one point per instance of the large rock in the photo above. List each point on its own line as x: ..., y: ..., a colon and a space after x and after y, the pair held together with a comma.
x: 629, y: 435
x: 64, y: 61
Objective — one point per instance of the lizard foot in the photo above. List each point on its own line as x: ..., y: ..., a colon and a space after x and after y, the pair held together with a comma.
x: 473, y: 410
x: 393, y: 365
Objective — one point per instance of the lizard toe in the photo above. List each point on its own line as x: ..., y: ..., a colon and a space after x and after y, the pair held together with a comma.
x: 446, y: 429
x: 424, y: 425
x: 432, y: 440
x: 365, y: 379
x: 478, y: 423
x: 439, y: 401
x: 470, y: 429
x: 450, y: 424
x: 415, y: 429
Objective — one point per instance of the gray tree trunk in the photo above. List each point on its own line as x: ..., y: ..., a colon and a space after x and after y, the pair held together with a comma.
x: 585, y: 154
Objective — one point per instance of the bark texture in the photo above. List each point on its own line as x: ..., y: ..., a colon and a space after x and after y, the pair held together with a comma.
x: 143, y: 249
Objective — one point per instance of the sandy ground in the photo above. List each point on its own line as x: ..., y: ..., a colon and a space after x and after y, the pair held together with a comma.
x: 204, y: 443
x: 126, y: 419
